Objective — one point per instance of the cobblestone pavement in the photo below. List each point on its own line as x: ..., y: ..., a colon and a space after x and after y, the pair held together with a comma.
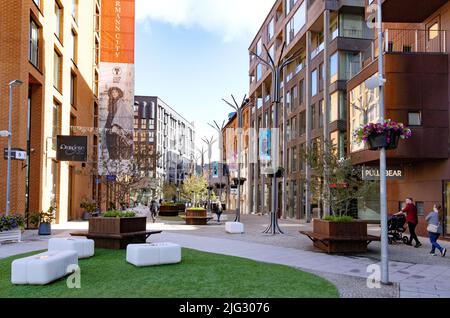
x: 414, y: 272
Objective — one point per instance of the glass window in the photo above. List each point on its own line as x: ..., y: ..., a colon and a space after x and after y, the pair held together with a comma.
x: 75, y: 9
x: 259, y: 47
x: 58, y: 20
x: 271, y: 29
x: 37, y: 2
x: 334, y: 67
x: 334, y: 107
x: 258, y: 72
x: 414, y: 119
x: 300, y: 18
x: 433, y: 31
x: 272, y: 52
x: 55, y: 123
x: 351, y: 25
x: 34, y: 44
x: 57, y: 70
x: 73, y: 89
x: 314, y: 83
x: 313, y: 117
x: 74, y: 46
x: 321, y: 109
x: 294, y: 159
x: 301, y: 92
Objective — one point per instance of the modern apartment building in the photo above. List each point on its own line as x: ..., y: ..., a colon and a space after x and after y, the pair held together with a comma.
x: 230, y: 159
x: 168, y: 136
x: 329, y: 37
x: 416, y: 42
x: 52, y: 47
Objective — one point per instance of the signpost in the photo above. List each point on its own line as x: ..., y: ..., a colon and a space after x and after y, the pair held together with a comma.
x: 16, y: 154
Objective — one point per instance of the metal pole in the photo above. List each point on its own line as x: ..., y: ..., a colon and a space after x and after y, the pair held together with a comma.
x: 326, y: 107
x: 27, y: 210
x: 383, y: 196
x: 308, y: 128
x: 238, y: 205
x: 8, y: 177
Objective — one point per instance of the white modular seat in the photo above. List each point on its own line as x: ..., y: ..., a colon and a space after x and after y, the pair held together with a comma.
x: 84, y: 247
x: 234, y: 227
x: 153, y: 254
x: 43, y: 268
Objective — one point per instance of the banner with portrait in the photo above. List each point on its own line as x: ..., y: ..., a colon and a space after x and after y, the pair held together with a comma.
x: 116, y: 87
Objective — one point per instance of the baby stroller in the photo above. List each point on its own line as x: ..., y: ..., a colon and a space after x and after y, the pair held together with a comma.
x: 396, y: 229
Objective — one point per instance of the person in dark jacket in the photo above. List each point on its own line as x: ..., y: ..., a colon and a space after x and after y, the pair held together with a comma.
x: 410, y: 211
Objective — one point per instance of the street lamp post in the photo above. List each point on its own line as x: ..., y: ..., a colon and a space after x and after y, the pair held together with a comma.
x: 209, y: 143
x: 276, y: 69
x: 12, y: 84
x: 239, y: 110
x: 383, y: 194
x: 219, y: 130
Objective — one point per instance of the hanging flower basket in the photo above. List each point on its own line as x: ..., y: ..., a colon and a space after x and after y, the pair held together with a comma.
x: 377, y: 136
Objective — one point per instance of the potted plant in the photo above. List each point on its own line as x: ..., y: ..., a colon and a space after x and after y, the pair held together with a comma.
x: 11, y: 227
x: 45, y: 221
x: 89, y: 207
x: 382, y: 135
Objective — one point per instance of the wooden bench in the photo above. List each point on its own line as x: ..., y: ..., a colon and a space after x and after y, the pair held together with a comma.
x: 347, y: 244
x: 117, y: 241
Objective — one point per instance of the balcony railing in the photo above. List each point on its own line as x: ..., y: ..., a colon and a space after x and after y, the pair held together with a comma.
x: 317, y: 50
x: 415, y: 41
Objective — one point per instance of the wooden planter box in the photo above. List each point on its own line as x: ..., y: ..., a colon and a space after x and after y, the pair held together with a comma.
x: 110, y: 233
x: 341, y: 237
x: 196, y: 217
x: 171, y: 210
x: 11, y: 236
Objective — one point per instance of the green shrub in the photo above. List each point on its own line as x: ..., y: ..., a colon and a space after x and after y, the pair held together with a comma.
x: 340, y: 219
x: 196, y: 209
x: 119, y: 214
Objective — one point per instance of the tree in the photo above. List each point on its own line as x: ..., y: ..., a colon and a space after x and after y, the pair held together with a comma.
x: 195, y: 189
x: 169, y: 191
x: 343, y: 178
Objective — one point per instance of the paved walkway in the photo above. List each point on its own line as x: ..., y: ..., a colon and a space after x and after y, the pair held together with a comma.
x: 419, y: 279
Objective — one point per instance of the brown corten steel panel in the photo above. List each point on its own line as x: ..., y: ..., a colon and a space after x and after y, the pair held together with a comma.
x: 403, y: 11
x: 415, y: 82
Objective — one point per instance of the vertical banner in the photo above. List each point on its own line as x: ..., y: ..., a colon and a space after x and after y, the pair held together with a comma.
x: 116, y: 116
x: 215, y: 169
x: 265, y: 140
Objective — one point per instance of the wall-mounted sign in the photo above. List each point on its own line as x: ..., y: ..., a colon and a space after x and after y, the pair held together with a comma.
x: 373, y: 173
x: 16, y: 154
x: 72, y: 148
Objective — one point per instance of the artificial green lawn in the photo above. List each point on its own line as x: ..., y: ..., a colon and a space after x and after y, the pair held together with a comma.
x: 200, y: 275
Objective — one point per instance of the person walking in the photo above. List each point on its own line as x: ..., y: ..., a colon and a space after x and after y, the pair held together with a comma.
x: 435, y: 229
x: 153, y: 209
x: 412, y: 219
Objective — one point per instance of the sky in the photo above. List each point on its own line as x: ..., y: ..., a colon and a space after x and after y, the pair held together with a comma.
x: 193, y: 53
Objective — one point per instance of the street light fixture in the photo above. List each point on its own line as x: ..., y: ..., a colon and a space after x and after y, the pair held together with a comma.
x: 209, y: 143
x: 239, y: 110
x: 219, y: 130
x: 12, y: 84
x: 383, y: 194
x: 276, y: 69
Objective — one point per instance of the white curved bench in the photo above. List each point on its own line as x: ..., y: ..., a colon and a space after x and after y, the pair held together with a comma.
x: 43, y: 268
x: 153, y: 254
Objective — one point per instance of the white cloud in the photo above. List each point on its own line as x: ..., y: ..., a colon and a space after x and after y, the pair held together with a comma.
x: 231, y: 19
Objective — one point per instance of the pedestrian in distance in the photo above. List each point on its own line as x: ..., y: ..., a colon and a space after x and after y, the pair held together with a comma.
x: 435, y: 229
x: 410, y: 211
x: 153, y: 210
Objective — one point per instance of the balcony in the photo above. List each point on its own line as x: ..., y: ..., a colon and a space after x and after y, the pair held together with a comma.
x: 416, y: 70
x: 409, y: 11
x: 415, y: 41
